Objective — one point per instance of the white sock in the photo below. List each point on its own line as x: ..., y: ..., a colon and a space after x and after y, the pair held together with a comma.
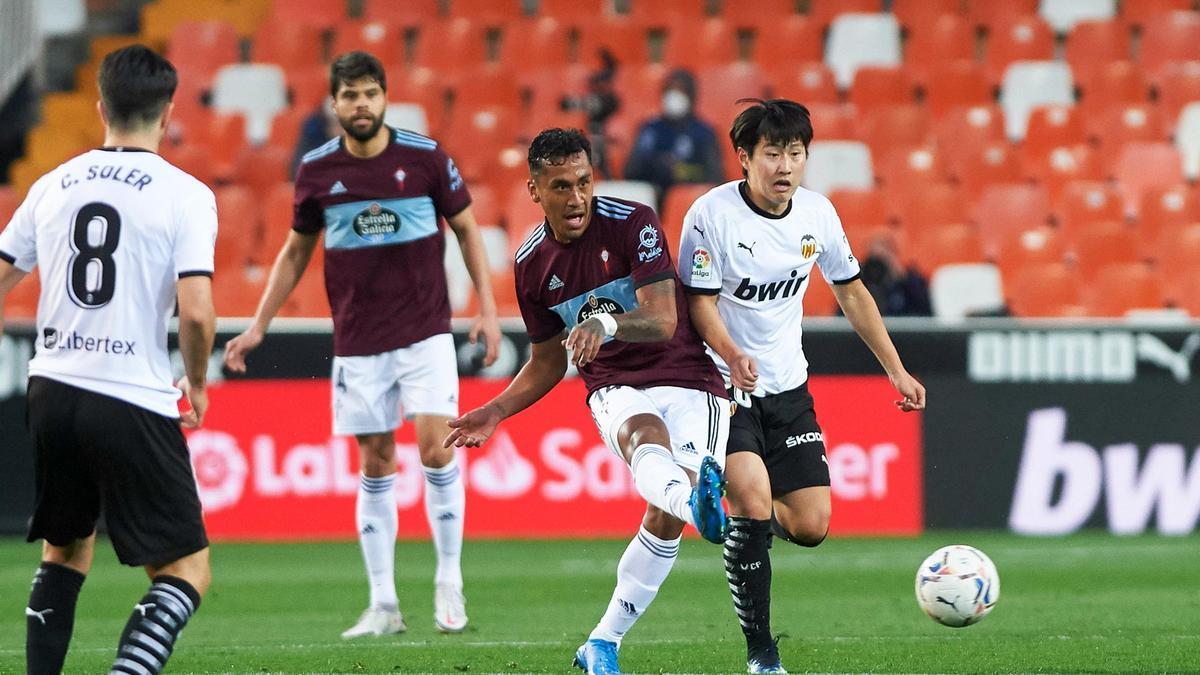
x: 660, y: 481
x: 643, y: 568
x: 445, y: 506
x: 376, y: 518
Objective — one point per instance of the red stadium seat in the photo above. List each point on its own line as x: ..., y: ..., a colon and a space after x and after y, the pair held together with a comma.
x: 1186, y: 294
x: 1085, y: 202
x: 665, y: 13
x: 574, y: 11
x: 475, y: 135
x: 487, y: 84
x: 792, y: 39
x: 911, y: 168
x: 887, y: 128
x: 521, y: 214
x: 833, y: 121
x: 1004, y: 208
x: 450, y: 45
x: 277, y: 217
x: 937, y: 204
x: 995, y: 15
x: 1119, y: 288
x: 319, y: 13
x: 308, y: 298
x: 958, y: 84
x: 1137, y: 12
x: 261, y: 169
x: 404, y: 13
x: 383, y: 40
x: 1103, y: 243
x: 934, y: 43
x: 720, y: 87
x: 860, y: 208
x: 235, y: 293
x: 1169, y: 37
x: 995, y: 162
x: 1064, y: 164
x: 1028, y: 38
x: 22, y: 301
x: 9, y: 201
x: 530, y: 40
x: 946, y: 244
x: 1167, y: 208
x: 1044, y: 290
x: 882, y: 86
x: 1144, y: 166
x: 491, y: 12
x: 237, y: 208
x: 700, y: 42
x: 819, y: 299
x: 288, y: 45
x: 1052, y: 126
x: 203, y: 45
x: 485, y: 205
x: 1178, y: 85
x: 1115, y: 83
x: 823, y: 12
x: 192, y: 158
x: 809, y: 82
x: 1035, y: 245
x: 913, y: 14
x: 1093, y: 45
x: 1120, y: 124
x: 675, y: 205
x: 1178, y: 251
x: 626, y: 40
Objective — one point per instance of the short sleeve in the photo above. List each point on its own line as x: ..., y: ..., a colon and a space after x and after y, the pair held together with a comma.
x: 18, y: 240
x: 307, y: 214
x: 646, y: 247
x: 541, y: 323
x: 836, y: 260
x: 196, y: 238
x: 699, y: 260
x: 450, y: 193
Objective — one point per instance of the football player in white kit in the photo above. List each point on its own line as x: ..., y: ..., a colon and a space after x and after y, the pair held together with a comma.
x: 120, y: 236
x: 746, y: 258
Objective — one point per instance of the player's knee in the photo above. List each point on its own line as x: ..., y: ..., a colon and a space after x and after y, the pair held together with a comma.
x: 662, y: 524
x: 808, y: 530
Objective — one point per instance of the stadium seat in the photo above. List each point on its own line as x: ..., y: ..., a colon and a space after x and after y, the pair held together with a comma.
x: 203, y: 45
x: 912, y: 167
x: 1092, y: 45
x: 718, y: 89
x: 1116, y: 83
x: 832, y: 121
x: 491, y: 12
x: 994, y: 162
x: 1051, y: 126
x: 936, y: 204
x: 1103, y: 243
x: 483, y: 85
x: 857, y: 40
x: 809, y: 82
x: 1177, y: 251
x: 422, y: 86
x: 485, y: 205
x: 257, y: 91
x: 627, y: 41
x: 1142, y: 166
x: 22, y: 301
x: 959, y: 290
x: 1167, y: 207
x: 838, y: 164
x: 819, y: 299
x: 409, y: 116
x: 1119, y: 288
x: 887, y: 128
x: 913, y: 14
x: 9, y: 201
x: 288, y: 45
x: 1029, y: 84
x: 237, y: 209
x: 1064, y: 15
x: 1034, y: 245
x: 309, y: 87
x: 521, y: 214
x: 383, y: 40
x: 957, y: 84
x: 1120, y: 124
x: 1003, y: 208
x: 826, y: 12
x: 994, y: 15
x: 405, y: 12
x: 948, y: 244
x: 309, y: 298
x: 1044, y: 290
x: 932, y: 44
x: 475, y: 135
x: 1187, y: 139
x: 449, y: 45
x: 236, y: 294
x: 533, y: 39
x: 261, y: 169
x: 860, y: 208
x: 1061, y: 165
x: 1024, y: 39
x: 882, y: 86
x: 675, y: 205
x: 700, y: 42
x: 631, y: 190
x: 1137, y: 12
x: 963, y: 131
x: 767, y: 14
x: 574, y: 11
x: 793, y: 39
x: 277, y: 217
x: 321, y: 14
x: 1177, y: 85
x: 192, y: 158
x: 1085, y: 202
x: 1186, y: 294
x: 1169, y: 37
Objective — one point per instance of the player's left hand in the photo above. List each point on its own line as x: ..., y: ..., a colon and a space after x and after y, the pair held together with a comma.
x: 489, y: 325
x: 585, y: 341
x: 912, y: 391
x: 197, y: 397
x: 474, y: 428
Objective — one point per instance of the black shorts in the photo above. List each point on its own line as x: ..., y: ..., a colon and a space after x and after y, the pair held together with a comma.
x: 782, y: 429
x: 95, y: 452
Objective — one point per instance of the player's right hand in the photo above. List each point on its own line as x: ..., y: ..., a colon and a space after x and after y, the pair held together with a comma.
x: 743, y: 373
x: 237, y: 349
x: 474, y: 428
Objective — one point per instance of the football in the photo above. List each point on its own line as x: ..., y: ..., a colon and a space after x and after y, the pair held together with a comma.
x: 957, y: 585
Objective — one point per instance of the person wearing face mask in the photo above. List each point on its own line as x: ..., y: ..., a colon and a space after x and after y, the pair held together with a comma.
x: 676, y: 147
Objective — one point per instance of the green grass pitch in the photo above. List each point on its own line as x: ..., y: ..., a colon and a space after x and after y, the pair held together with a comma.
x: 1086, y: 603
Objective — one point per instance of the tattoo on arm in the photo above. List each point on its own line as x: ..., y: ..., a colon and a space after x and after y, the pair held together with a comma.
x: 654, y: 320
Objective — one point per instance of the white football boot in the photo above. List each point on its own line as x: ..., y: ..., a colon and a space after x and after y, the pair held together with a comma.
x: 449, y: 609
x: 376, y: 621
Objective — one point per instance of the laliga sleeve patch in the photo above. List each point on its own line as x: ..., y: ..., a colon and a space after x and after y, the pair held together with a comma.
x: 702, y: 267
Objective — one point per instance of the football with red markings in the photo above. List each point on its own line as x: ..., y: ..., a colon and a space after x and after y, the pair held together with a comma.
x: 957, y: 585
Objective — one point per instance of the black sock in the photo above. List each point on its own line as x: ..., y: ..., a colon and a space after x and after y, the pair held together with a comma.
x: 748, y: 569
x: 50, y: 617
x: 154, y: 625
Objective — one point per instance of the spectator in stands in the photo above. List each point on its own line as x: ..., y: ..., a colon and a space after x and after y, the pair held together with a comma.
x: 898, y: 290
x: 676, y: 147
x: 315, y: 131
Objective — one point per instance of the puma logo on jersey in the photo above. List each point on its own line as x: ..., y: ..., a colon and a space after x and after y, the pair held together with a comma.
x: 40, y: 615
x: 697, y: 228
x: 782, y: 289
x: 748, y: 248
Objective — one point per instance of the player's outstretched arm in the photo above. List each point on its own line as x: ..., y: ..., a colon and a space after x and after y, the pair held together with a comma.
x: 197, y: 325
x: 546, y: 366
x: 859, y: 307
x: 285, y: 274
x: 743, y: 370
x: 10, y: 275
x: 475, y: 257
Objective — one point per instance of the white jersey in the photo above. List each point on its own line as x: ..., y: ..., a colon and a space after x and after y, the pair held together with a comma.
x: 760, y: 265
x: 111, y: 232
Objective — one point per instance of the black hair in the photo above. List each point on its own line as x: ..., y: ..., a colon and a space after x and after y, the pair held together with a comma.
x: 353, y: 66
x: 777, y: 120
x: 553, y: 146
x: 136, y: 84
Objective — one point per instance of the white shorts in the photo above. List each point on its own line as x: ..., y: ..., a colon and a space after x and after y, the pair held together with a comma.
x: 697, y: 421
x: 369, y: 392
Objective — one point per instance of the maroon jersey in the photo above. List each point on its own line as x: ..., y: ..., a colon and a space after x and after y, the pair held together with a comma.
x: 623, y: 249
x: 384, y: 238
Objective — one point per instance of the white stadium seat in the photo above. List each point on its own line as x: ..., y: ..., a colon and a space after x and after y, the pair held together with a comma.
x: 633, y: 190
x: 1062, y: 15
x: 857, y: 40
x: 256, y: 90
x: 61, y: 17
x: 834, y: 165
x: 963, y: 289
x: 1030, y: 84
x: 410, y: 116
x: 1187, y: 139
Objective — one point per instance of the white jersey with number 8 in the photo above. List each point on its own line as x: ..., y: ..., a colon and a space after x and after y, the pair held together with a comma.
x: 111, y: 231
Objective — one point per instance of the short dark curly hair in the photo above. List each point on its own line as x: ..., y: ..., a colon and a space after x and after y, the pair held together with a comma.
x: 553, y: 146
x: 353, y: 66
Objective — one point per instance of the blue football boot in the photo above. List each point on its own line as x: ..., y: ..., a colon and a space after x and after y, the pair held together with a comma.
x: 708, y: 513
x: 597, y: 657
x: 765, y: 660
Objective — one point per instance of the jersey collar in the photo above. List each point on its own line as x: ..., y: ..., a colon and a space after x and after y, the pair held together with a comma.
x: 123, y: 148
x: 744, y: 191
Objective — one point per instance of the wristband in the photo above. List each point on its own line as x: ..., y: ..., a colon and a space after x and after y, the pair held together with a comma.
x: 608, y: 322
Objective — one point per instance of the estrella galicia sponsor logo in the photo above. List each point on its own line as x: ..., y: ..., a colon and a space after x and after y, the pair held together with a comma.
x: 648, y: 242
x: 375, y: 222
x: 808, y: 246
x: 762, y: 292
x: 598, y: 305
x: 72, y: 341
